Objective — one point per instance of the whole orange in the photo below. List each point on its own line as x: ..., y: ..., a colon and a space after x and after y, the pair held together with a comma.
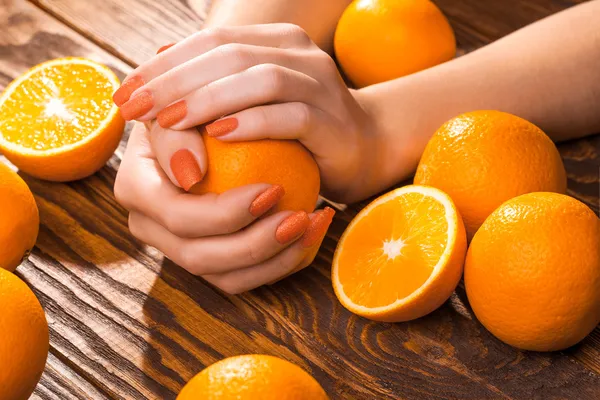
x: 532, y: 272
x: 252, y: 377
x: 24, y: 338
x: 380, y: 40
x: 19, y: 219
x: 283, y: 162
x: 483, y: 158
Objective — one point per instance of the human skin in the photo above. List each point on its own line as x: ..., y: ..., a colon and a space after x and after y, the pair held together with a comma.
x: 273, y: 81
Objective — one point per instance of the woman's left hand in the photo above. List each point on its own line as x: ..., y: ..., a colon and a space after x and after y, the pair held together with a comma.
x: 271, y: 81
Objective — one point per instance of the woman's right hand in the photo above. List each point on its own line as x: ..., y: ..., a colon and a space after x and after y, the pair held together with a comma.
x: 226, y: 238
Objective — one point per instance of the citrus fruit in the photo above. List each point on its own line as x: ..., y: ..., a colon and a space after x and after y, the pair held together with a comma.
x: 24, y: 338
x: 483, y: 158
x: 251, y: 377
x: 277, y: 162
x: 380, y: 40
x: 401, y: 257
x: 19, y: 219
x: 532, y: 272
x: 58, y: 119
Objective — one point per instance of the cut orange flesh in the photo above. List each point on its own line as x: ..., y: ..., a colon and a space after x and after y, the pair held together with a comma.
x: 402, y: 256
x: 58, y: 121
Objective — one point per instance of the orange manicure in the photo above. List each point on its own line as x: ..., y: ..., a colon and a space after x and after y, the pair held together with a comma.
x: 165, y: 47
x: 222, y: 127
x: 172, y: 114
x: 319, y: 223
x: 137, y: 106
x: 266, y: 200
x: 185, y: 168
x: 292, y: 227
x: 126, y: 90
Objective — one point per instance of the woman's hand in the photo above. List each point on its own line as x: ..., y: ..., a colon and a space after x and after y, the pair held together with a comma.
x: 269, y: 81
x: 219, y: 237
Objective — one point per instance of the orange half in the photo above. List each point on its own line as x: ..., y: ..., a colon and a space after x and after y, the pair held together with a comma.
x: 402, y: 256
x: 58, y: 121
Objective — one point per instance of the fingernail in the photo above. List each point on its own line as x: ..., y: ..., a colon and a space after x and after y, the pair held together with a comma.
x: 185, y: 168
x: 266, y: 200
x: 165, y: 47
x: 126, y: 90
x: 319, y: 223
x: 222, y: 127
x: 292, y: 227
x: 172, y: 114
x: 137, y: 106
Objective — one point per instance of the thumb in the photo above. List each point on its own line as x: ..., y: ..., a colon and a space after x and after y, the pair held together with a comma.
x: 181, y: 154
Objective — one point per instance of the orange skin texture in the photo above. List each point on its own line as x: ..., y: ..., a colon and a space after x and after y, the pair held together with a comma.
x: 277, y: 162
x: 251, y: 377
x: 25, y: 340
x: 532, y: 272
x: 484, y: 158
x: 381, y: 40
x: 19, y: 219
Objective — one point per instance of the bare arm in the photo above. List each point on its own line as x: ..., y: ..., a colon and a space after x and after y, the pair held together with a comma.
x: 317, y: 17
x: 548, y: 73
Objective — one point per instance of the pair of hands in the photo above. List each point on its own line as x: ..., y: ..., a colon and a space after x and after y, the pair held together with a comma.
x: 271, y: 81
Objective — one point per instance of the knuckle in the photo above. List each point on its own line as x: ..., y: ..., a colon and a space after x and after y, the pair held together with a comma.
x: 296, y: 32
x: 172, y: 222
x: 305, y: 115
x: 122, y: 188
x: 213, y: 37
x: 238, y: 54
x: 134, y: 227
x: 274, y: 79
x: 186, y: 258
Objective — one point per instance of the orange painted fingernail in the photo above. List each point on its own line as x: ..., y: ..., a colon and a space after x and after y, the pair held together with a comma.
x: 266, y: 200
x: 292, y: 227
x: 222, y: 127
x: 137, y: 106
x: 165, y: 47
x: 172, y: 114
x: 185, y: 168
x: 126, y: 90
x: 319, y: 223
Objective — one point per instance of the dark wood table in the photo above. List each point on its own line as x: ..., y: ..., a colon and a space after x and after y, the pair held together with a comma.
x: 126, y: 323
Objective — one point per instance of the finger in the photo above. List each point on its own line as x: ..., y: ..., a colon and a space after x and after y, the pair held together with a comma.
x: 311, y: 240
x: 219, y: 254
x: 269, y: 35
x: 242, y: 280
x: 258, y: 85
x: 181, y: 154
x: 275, y: 121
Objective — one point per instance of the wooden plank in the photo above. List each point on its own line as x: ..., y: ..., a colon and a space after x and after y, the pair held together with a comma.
x: 137, y: 326
x: 61, y: 382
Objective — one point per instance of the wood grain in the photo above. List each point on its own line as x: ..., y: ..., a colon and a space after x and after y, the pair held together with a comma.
x: 128, y: 324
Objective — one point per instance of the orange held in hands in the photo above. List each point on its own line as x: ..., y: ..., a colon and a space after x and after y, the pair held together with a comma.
x: 277, y: 162
x: 532, y: 272
x: 24, y: 339
x: 381, y: 40
x: 483, y: 158
x: 58, y: 120
x: 401, y: 257
x: 253, y: 377
x: 19, y: 219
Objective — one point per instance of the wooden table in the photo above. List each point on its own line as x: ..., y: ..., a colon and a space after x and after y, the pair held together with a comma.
x: 126, y: 323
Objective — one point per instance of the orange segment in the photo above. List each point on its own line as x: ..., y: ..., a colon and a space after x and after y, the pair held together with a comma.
x: 58, y: 121
x: 402, y: 256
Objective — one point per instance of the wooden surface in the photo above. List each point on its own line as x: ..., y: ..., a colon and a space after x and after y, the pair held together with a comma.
x: 125, y: 323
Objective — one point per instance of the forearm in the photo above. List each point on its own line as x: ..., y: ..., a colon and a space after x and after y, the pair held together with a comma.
x: 547, y: 73
x: 318, y: 17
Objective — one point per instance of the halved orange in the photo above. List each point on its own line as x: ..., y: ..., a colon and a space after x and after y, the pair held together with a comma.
x: 402, y: 256
x: 58, y: 121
